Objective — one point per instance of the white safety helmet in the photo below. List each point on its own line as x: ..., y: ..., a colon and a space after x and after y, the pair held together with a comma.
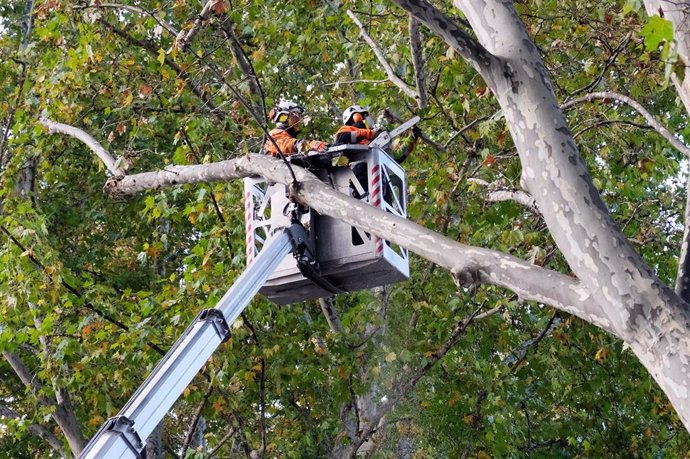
x: 353, y: 109
x: 281, y: 112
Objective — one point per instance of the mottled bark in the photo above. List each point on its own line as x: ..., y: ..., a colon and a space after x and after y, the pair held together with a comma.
x: 462, y: 43
x: 682, y: 287
x: 331, y: 315
x: 154, y: 444
x: 647, y: 314
x: 416, y: 49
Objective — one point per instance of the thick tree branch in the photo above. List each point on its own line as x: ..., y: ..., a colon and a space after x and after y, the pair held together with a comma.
x: 416, y: 49
x: 645, y: 312
x: 184, y: 39
x: 395, y: 79
x: 62, y: 416
x: 87, y: 139
x: 495, y: 194
x: 331, y: 314
x: 466, y: 46
x: 35, y: 429
x: 658, y: 127
x: 682, y: 286
x: 467, y: 264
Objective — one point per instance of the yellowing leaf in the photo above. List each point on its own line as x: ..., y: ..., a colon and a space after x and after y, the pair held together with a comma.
x: 391, y: 357
x: 218, y: 405
x: 96, y: 420
x: 602, y: 354
x: 340, y: 161
x: 161, y: 56
x: 128, y: 99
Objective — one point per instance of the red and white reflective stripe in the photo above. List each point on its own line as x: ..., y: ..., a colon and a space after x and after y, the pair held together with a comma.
x: 375, y: 187
x: 378, y: 243
x: 248, y: 228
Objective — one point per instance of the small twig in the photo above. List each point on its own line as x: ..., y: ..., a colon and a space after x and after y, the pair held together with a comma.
x: 134, y: 9
x: 338, y: 83
x: 395, y: 79
x: 611, y: 59
x: 660, y: 128
x: 231, y: 432
x: 608, y: 122
x: 195, y: 421
x: 465, y: 128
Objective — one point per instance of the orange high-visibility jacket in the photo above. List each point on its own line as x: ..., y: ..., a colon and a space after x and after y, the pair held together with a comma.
x: 351, y: 134
x: 286, y: 142
x: 290, y: 145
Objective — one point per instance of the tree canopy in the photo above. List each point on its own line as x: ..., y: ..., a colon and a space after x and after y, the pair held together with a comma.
x: 94, y: 289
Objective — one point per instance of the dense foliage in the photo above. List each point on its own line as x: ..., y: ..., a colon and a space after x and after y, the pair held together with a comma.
x: 88, y: 284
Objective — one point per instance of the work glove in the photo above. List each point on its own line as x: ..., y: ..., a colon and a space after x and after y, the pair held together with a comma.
x: 317, y: 145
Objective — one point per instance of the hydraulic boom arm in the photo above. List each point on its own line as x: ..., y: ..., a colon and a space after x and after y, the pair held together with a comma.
x: 124, y: 436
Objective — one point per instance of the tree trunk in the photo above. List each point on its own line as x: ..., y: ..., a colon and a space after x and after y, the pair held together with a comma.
x: 648, y: 315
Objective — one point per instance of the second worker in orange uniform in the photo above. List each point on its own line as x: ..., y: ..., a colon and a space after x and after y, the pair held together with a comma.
x: 357, y: 127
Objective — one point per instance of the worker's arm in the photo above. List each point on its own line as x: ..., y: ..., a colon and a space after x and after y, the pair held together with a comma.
x: 287, y: 145
x: 365, y: 134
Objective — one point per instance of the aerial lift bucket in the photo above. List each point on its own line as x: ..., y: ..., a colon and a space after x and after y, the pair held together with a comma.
x: 348, y: 258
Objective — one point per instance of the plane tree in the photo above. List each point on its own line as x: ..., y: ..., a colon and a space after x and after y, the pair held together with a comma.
x: 548, y: 176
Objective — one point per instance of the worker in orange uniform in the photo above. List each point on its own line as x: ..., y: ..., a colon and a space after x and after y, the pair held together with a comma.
x: 358, y: 127
x: 287, y: 117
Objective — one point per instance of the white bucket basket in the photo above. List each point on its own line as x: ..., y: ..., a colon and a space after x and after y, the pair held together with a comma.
x: 348, y: 258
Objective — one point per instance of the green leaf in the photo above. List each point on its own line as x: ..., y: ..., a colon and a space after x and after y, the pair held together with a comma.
x: 656, y: 31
